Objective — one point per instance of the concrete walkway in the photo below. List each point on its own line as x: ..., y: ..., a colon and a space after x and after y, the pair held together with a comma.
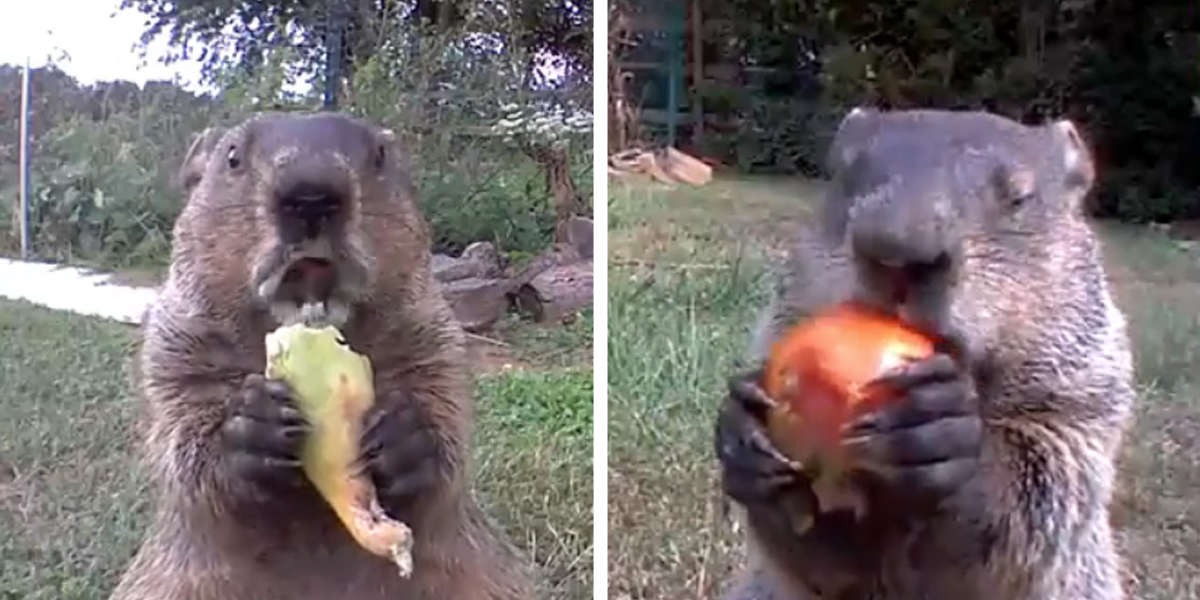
x: 73, y: 289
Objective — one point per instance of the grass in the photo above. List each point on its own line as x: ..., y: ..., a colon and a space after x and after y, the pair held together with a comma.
x: 550, y: 345
x: 533, y: 466
x: 685, y: 285
x: 74, y: 501
x: 1155, y: 511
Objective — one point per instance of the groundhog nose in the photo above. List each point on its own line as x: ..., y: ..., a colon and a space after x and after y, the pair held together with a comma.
x: 900, y: 277
x: 913, y: 253
x: 306, y: 209
x: 310, y: 203
x: 919, y: 269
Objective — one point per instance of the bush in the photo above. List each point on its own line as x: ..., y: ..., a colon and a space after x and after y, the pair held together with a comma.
x: 784, y: 136
x: 101, y: 207
x: 106, y: 158
x: 1124, y: 71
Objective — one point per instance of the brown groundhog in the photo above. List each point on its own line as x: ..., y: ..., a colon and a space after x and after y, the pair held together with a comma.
x: 304, y: 218
x: 991, y: 477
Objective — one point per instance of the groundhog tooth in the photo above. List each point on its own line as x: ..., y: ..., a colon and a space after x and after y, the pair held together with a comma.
x: 314, y: 313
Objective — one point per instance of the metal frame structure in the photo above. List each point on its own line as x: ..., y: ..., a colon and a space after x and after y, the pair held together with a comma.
x: 658, y: 63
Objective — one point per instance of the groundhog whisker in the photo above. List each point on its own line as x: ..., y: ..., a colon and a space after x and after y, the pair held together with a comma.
x: 1001, y: 233
x: 235, y: 206
x: 390, y: 215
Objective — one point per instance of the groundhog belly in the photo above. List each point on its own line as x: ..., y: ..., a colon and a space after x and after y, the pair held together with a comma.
x: 241, y: 564
x: 290, y: 575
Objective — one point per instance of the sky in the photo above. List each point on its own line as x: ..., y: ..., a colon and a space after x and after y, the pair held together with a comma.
x: 98, y: 42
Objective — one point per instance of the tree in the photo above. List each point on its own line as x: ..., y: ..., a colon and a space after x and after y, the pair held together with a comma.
x: 225, y: 33
x: 1125, y: 70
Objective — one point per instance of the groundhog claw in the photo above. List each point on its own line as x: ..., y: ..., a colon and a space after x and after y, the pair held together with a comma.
x: 262, y: 436
x: 753, y: 470
x: 745, y: 388
x: 926, y: 444
x: 400, y: 453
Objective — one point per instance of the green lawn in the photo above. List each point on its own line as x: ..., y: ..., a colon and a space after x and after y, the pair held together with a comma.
x: 686, y: 282
x: 73, y: 500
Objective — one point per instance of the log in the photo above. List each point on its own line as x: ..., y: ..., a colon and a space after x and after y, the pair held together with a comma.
x: 625, y: 160
x: 477, y: 302
x: 668, y: 166
x: 479, y: 259
x: 648, y: 162
x: 556, y: 292
x: 685, y: 168
x: 554, y: 284
x: 557, y: 254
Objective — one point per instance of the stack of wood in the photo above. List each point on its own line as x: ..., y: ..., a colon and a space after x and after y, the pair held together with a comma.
x: 474, y: 284
x: 667, y: 165
x: 553, y: 286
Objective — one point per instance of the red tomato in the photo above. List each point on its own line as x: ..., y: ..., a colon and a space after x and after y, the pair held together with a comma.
x: 817, y: 373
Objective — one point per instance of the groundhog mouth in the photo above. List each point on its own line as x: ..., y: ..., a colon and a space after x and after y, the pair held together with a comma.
x: 309, y: 278
x: 306, y: 290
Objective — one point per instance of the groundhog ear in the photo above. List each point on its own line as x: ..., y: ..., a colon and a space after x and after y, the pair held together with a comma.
x: 852, y: 134
x: 192, y: 169
x: 396, y: 148
x: 1076, y: 159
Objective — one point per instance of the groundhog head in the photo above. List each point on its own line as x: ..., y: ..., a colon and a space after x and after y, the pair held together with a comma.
x: 305, y: 216
x: 966, y: 223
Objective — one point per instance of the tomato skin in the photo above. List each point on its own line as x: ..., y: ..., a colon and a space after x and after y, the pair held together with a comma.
x: 817, y: 371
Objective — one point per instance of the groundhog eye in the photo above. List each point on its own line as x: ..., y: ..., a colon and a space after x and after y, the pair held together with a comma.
x: 234, y: 159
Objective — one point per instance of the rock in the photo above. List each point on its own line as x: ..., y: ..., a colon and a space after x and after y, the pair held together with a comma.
x: 479, y: 259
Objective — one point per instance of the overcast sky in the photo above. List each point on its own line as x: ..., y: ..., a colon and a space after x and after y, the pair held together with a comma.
x: 98, y: 38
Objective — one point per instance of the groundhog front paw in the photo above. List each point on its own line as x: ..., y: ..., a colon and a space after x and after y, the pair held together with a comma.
x: 920, y: 449
x: 261, y: 437
x: 400, y: 451
x: 753, y: 471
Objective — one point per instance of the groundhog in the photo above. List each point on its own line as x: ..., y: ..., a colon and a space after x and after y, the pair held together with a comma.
x: 991, y: 476
x: 304, y: 218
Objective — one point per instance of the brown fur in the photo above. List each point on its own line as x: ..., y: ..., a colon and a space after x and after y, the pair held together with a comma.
x: 205, y: 333
x: 1051, y: 365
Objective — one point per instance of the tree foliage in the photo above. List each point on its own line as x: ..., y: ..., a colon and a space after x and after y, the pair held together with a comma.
x: 226, y: 33
x: 441, y: 79
x: 1125, y: 70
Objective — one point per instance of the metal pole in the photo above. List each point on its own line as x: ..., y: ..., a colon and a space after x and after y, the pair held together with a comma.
x: 24, y: 213
x: 697, y: 74
x: 333, y: 54
x: 674, y: 65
